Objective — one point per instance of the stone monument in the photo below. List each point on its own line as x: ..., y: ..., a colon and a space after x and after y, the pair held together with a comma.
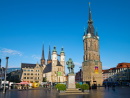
x: 71, y: 89
x: 71, y: 75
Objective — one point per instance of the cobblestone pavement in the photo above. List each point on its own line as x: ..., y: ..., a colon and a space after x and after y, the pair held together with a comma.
x: 101, y: 92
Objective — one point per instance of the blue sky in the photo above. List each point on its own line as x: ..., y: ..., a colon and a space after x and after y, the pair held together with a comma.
x: 26, y: 25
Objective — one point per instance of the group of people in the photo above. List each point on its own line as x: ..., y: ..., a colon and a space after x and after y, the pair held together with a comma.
x: 23, y: 86
x: 109, y: 85
x: 46, y: 85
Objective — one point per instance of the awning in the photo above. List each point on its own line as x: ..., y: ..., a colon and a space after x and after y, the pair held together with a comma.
x: 23, y: 83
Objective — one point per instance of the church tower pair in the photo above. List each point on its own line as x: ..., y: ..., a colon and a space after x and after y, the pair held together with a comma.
x: 91, y: 66
x: 43, y: 61
x: 54, y: 59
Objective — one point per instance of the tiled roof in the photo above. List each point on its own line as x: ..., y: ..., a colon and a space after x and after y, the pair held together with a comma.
x: 105, y: 71
x: 113, y: 68
x: 123, y: 65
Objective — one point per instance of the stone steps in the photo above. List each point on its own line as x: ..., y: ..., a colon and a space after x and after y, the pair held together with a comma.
x: 81, y: 93
x: 73, y: 91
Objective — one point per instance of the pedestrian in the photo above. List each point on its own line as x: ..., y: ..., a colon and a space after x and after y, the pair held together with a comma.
x: 108, y: 86
x: 105, y: 86
x: 113, y: 86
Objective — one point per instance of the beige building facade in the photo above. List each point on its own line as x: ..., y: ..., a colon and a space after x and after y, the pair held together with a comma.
x: 32, y: 73
x: 92, y: 65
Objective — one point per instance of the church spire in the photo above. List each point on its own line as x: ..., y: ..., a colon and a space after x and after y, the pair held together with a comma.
x: 90, y: 28
x: 49, y: 54
x: 43, y: 57
x: 49, y: 60
x: 90, y: 14
x: 0, y: 64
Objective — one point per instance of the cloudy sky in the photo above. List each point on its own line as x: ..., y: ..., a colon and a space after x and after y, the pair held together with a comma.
x: 26, y: 24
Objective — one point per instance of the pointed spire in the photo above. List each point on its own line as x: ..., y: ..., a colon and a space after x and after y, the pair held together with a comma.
x: 43, y: 57
x: 0, y: 63
x: 96, y: 33
x: 49, y: 54
x: 90, y: 28
x: 90, y: 14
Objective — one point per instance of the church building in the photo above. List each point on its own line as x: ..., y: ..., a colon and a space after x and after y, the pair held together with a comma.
x: 54, y: 70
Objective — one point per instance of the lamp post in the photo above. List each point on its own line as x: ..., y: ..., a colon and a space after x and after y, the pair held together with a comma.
x: 5, y: 74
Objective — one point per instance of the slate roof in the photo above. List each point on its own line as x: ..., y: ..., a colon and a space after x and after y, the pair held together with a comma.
x: 58, y: 63
x: 27, y: 65
x: 48, y: 68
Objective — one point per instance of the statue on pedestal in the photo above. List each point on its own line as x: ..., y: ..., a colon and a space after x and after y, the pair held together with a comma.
x: 70, y: 66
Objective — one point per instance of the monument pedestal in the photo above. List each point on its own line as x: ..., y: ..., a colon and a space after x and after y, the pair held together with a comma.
x: 71, y: 81
x: 71, y: 89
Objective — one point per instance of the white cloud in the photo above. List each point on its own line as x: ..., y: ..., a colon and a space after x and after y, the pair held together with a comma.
x: 35, y: 57
x: 78, y: 64
x: 7, y: 52
x: 14, y: 67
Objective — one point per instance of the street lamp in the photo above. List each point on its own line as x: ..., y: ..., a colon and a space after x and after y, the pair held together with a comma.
x: 5, y: 74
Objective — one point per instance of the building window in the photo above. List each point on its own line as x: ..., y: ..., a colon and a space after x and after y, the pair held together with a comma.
x: 31, y: 70
x: 31, y: 77
x: 31, y: 73
x: 24, y: 77
x: 24, y: 70
x: 27, y: 77
x: 28, y: 73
